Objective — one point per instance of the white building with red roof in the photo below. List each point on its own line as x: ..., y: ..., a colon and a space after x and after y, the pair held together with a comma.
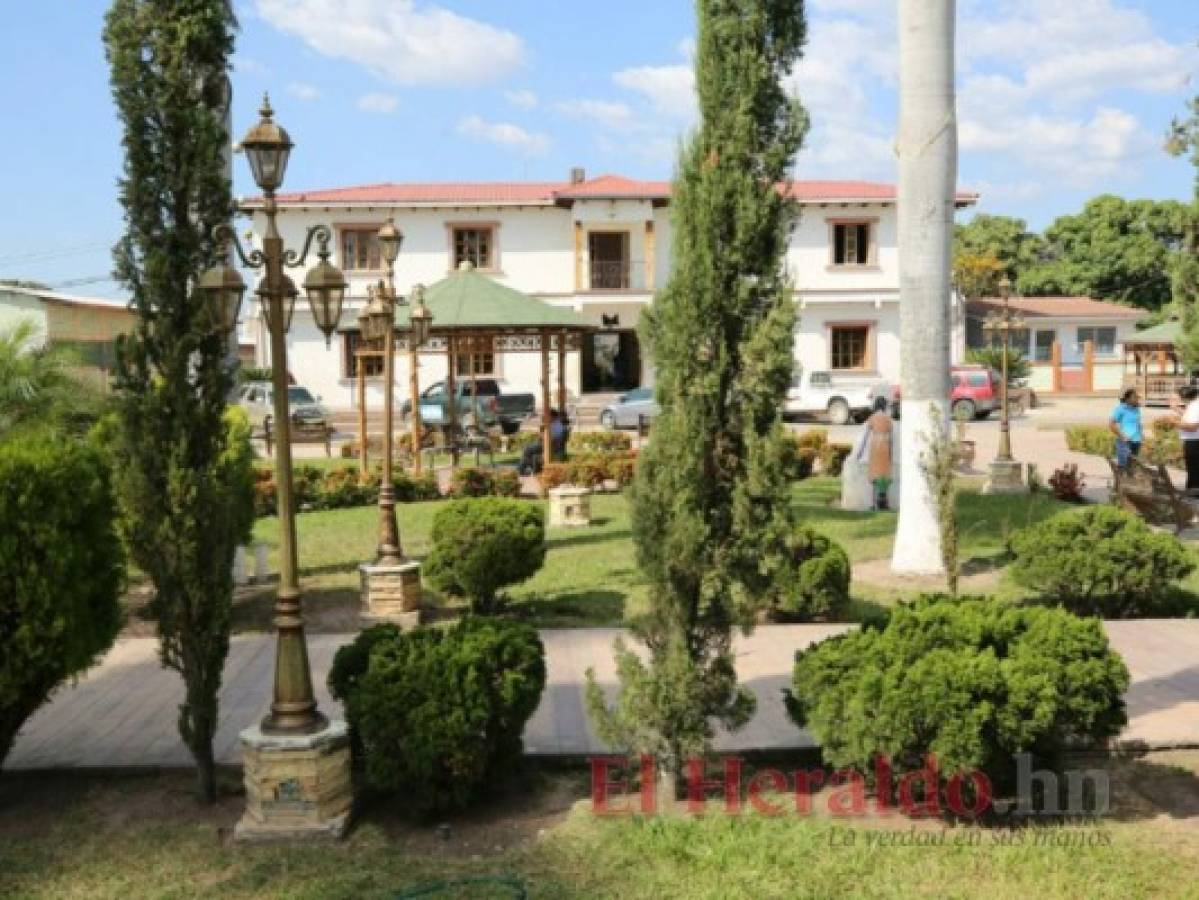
x: 602, y: 247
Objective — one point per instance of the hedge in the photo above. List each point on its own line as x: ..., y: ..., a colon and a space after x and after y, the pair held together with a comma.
x: 972, y: 682
x: 437, y: 716
x: 1100, y: 561
x: 62, y: 567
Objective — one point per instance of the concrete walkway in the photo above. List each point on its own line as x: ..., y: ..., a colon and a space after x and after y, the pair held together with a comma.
x: 123, y: 713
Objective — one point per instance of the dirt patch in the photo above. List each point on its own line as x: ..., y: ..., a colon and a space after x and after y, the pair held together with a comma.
x: 978, y: 577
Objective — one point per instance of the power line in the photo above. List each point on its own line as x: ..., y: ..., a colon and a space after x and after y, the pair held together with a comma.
x: 59, y: 253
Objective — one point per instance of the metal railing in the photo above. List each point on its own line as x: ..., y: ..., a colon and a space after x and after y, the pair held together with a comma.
x: 615, y: 275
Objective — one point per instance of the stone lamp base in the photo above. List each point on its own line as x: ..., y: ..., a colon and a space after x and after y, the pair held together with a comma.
x: 1005, y: 477
x: 570, y: 507
x: 298, y: 787
x: 392, y: 593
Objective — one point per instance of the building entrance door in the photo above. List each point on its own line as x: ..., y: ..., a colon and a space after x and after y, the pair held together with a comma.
x: 611, y: 361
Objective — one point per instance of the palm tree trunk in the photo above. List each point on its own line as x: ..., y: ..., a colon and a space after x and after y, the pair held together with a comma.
x: 927, y: 186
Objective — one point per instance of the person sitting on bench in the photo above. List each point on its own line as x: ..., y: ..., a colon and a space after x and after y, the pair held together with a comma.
x: 531, y: 462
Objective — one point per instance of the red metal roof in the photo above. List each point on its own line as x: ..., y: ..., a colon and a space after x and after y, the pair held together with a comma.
x: 1060, y: 307
x: 537, y: 193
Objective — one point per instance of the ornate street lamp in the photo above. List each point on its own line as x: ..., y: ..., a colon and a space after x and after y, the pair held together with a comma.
x: 1005, y: 476
x: 381, y: 321
x: 391, y: 584
x: 296, y: 759
x: 420, y: 322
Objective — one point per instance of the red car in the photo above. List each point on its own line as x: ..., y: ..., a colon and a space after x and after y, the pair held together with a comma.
x: 974, y: 392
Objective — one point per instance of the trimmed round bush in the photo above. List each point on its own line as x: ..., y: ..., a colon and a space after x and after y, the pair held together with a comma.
x: 438, y: 715
x: 972, y: 681
x: 1100, y: 561
x: 62, y: 568
x: 483, y: 544
x: 816, y: 581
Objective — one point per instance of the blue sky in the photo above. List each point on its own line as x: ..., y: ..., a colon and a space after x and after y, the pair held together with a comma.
x: 1058, y: 101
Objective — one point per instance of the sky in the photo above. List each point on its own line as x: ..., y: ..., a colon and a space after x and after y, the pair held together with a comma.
x: 1058, y: 101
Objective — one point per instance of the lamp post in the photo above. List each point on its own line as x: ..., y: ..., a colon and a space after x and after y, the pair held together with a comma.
x: 380, y: 322
x: 391, y: 585
x: 294, y: 724
x: 420, y: 320
x: 1005, y: 474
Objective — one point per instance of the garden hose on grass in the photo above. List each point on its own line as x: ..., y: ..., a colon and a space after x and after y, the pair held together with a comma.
x: 503, y: 886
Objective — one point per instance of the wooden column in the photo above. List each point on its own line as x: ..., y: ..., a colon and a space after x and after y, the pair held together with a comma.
x: 363, y: 438
x: 562, y: 373
x: 416, y: 438
x: 650, y: 254
x: 451, y: 400
x: 1088, y: 365
x: 547, y: 454
x: 579, y: 233
x: 1056, y: 361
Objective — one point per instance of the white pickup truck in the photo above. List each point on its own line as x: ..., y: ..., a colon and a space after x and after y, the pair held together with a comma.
x: 818, y: 393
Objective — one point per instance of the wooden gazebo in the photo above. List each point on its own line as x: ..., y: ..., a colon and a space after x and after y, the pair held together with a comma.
x: 1153, y: 365
x: 474, y: 314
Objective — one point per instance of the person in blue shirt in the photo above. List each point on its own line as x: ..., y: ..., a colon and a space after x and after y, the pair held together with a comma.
x: 1125, y: 424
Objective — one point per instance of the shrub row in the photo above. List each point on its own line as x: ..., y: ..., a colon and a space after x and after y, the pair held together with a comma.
x: 471, y: 482
x: 605, y: 442
x: 339, y: 488
x: 812, y: 450
x: 591, y: 470
x: 1163, y: 446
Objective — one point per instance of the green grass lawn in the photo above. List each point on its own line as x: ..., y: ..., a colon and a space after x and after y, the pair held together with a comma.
x: 126, y: 836
x: 590, y: 576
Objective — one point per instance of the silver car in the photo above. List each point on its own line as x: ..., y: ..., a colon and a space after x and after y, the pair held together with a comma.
x: 307, y: 414
x: 628, y: 409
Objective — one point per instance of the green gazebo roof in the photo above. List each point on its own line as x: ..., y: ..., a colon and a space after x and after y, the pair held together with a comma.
x: 468, y: 299
x: 1165, y: 333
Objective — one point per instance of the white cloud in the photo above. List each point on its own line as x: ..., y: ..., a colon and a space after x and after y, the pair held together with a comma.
x: 669, y: 89
x: 525, y: 99
x: 384, y: 104
x: 400, y: 40
x: 302, y: 91
x: 604, y: 113
x: 505, y: 134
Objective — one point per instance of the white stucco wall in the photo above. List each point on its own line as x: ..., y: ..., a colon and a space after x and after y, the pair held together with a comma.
x: 17, y: 307
x: 535, y: 252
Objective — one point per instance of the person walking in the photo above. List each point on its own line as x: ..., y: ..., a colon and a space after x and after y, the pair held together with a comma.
x: 1125, y: 424
x: 1188, y: 430
x: 877, y: 447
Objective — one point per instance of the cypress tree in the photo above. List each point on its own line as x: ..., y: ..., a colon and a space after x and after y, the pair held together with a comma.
x: 1184, y: 139
x: 180, y: 471
x: 710, y: 501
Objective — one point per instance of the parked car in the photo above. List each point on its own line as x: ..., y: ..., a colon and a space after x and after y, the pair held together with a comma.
x: 819, y: 393
x: 308, y: 417
x: 628, y: 409
x: 975, y: 392
x: 480, y: 401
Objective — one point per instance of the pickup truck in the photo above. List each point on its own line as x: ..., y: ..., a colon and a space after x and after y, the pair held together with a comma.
x: 480, y: 401
x: 817, y: 393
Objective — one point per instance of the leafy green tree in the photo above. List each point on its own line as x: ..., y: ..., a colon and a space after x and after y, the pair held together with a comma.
x: 181, y: 473
x: 1004, y: 238
x: 977, y: 275
x: 1018, y: 367
x: 710, y: 500
x: 37, y: 391
x: 1184, y: 139
x: 1115, y: 249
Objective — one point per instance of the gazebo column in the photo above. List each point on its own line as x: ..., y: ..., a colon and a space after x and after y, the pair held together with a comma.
x: 547, y: 443
x: 562, y: 373
x: 416, y: 439
x: 451, y: 399
x: 363, y: 461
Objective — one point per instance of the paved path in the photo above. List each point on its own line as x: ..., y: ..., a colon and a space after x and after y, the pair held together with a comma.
x: 122, y: 714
